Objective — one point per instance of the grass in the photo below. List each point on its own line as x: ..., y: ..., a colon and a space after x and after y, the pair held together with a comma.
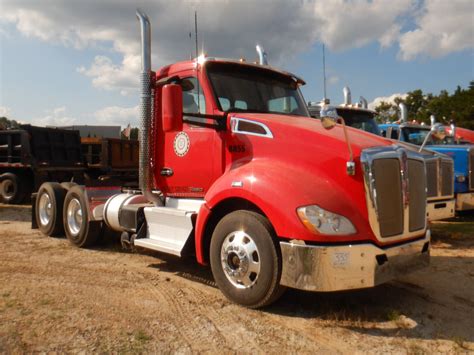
x: 393, y: 315
x: 142, y: 337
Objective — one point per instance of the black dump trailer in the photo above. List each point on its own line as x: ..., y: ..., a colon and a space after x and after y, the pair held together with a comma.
x: 32, y: 155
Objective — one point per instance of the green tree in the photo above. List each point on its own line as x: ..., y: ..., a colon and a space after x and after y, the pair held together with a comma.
x: 5, y: 123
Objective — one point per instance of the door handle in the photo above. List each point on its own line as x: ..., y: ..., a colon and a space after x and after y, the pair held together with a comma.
x: 166, y: 172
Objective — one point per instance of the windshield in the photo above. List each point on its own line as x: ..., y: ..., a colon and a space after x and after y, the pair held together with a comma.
x: 244, y: 88
x: 416, y: 135
x: 363, y: 120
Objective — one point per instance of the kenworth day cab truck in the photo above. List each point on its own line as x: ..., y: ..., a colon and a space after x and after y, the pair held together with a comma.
x: 439, y: 167
x: 462, y: 154
x: 235, y: 171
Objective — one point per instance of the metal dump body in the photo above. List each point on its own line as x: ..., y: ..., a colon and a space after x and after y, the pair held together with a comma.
x: 110, y: 154
x: 40, y: 148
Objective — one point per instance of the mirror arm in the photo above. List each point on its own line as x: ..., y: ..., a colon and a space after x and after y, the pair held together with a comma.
x: 425, y: 141
x: 350, y: 165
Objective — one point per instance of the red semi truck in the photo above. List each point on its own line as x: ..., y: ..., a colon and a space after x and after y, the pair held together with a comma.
x: 235, y: 171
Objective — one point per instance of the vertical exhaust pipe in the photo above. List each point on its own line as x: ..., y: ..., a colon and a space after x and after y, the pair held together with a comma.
x: 453, y: 129
x: 262, y: 55
x: 144, y: 173
x: 403, y: 112
x: 347, y: 95
x: 363, y: 102
x: 432, y: 120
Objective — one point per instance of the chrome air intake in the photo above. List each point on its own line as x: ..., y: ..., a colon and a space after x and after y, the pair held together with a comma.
x: 347, y: 95
x: 145, y: 177
x: 403, y: 112
x: 395, y: 186
x: 262, y: 55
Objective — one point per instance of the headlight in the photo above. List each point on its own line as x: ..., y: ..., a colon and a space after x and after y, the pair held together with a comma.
x: 318, y: 220
x: 460, y: 178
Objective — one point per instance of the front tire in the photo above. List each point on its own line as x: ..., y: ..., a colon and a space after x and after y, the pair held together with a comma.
x: 245, y: 259
x: 79, y: 229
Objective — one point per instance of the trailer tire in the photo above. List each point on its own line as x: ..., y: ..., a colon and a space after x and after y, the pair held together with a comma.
x: 13, y: 188
x: 246, y: 260
x: 49, y: 209
x: 79, y: 229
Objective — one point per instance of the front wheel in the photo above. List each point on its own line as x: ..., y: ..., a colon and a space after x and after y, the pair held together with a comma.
x: 245, y: 259
x: 79, y: 229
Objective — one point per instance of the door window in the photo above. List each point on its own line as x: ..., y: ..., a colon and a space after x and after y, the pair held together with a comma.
x: 193, y: 96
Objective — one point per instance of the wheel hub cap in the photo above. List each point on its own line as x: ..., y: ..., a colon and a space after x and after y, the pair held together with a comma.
x: 45, y: 209
x: 74, y: 216
x: 240, y: 259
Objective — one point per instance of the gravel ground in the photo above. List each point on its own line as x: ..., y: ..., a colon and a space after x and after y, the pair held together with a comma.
x: 54, y: 297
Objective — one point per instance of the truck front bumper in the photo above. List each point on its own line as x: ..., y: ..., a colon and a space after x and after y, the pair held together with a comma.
x: 465, y: 201
x: 344, y: 267
x: 437, y: 210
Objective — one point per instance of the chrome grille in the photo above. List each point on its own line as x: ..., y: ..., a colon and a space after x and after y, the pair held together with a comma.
x: 395, y: 183
x: 389, y: 196
x: 417, y: 195
x: 432, y: 178
x: 471, y: 169
x: 447, y: 178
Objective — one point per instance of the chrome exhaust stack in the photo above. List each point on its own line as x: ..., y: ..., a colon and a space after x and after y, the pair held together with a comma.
x: 363, y: 102
x: 144, y: 173
x: 347, y: 95
x: 262, y: 55
x: 403, y: 112
x: 432, y: 120
x: 453, y: 129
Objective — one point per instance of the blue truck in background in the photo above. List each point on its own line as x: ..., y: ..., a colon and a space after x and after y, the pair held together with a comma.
x: 462, y: 154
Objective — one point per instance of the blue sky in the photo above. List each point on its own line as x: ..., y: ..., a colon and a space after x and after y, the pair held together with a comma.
x: 74, y: 66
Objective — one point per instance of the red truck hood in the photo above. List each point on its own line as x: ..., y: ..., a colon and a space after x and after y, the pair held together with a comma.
x: 310, y: 129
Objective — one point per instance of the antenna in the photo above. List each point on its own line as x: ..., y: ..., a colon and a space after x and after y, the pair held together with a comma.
x: 196, y: 31
x: 324, y: 72
x: 197, y: 55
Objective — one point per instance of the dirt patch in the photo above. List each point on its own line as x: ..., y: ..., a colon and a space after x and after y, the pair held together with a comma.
x: 54, y: 297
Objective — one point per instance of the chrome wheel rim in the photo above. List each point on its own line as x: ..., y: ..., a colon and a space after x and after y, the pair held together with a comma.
x: 74, y: 216
x: 45, y: 209
x: 240, y: 259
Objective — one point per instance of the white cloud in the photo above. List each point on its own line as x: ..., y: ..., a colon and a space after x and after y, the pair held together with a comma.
x: 5, y: 111
x: 388, y: 99
x: 115, y: 115
x: 232, y: 28
x: 443, y: 27
x: 333, y: 80
x: 352, y: 24
x: 55, y: 117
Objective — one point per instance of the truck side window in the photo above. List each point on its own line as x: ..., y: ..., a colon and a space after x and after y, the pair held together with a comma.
x: 394, y: 134
x: 193, y: 97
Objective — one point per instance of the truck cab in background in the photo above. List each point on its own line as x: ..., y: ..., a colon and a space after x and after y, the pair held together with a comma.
x: 462, y: 155
x: 440, y: 171
x: 234, y: 171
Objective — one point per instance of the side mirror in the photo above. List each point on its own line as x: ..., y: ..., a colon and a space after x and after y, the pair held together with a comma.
x: 172, y: 108
x: 328, y: 116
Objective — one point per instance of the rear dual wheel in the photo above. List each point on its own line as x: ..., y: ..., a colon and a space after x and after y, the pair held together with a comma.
x: 79, y: 229
x: 49, y: 209
x: 246, y: 260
